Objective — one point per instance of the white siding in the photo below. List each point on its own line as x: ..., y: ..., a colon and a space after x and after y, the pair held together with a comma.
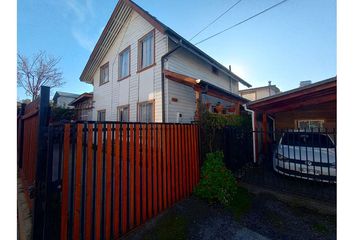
x: 185, y: 105
x: 139, y: 87
x: 186, y: 63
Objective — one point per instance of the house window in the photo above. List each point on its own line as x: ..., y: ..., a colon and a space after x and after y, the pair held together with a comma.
x: 124, y: 63
x: 101, y: 115
x: 104, y: 72
x: 310, y: 124
x: 123, y: 113
x: 146, y: 51
x: 146, y: 112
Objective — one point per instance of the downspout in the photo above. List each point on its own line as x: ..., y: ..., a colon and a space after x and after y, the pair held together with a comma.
x: 273, y: 126
x: 163, y: 78
x: 253, y: 131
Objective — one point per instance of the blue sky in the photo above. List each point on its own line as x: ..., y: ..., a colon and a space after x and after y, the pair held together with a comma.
x: 291, y: 43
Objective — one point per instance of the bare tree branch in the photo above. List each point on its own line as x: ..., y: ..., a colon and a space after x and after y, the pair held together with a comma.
x: 41, y: 70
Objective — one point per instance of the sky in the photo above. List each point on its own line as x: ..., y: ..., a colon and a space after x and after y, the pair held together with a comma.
x: 293, y: 42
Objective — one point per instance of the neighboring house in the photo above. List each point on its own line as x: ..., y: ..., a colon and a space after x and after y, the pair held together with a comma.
x: 83, y: 106
x: 259, y: 92
x: 141, y: 70
x: 62, y: 99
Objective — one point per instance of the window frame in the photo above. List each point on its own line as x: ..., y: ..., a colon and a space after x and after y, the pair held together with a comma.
x: 119, y: 63
x: 98, y: 114
x: 122, y: 107
x: 106, y: 65
x: 297, y: 122
x: 140, y: 41
x: 152, y: 102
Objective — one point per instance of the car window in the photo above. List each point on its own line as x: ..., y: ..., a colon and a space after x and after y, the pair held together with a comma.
x: 307, y: 140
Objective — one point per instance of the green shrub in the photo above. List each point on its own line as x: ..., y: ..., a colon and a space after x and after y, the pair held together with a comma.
x: 217, y: 184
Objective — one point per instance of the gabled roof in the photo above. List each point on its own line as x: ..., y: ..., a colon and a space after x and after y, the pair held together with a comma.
x: 116, y: 22
x: 64, y: 94
x: 81, y: 98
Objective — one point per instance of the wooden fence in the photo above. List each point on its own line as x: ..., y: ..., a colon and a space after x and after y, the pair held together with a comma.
x: 99, y: 180
x: 27, y: 128
x: 115, y: 176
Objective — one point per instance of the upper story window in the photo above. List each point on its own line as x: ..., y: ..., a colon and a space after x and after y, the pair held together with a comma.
x: 101, y: 115
x: 146, y: 112
x: 124, y: 63
x: 123, y: 113
x: 146, y: 50
x: 104, y: 72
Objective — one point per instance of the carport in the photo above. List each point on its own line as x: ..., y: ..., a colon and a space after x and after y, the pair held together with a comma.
x: 313, y: 105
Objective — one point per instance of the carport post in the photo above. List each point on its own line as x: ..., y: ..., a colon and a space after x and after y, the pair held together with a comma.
x: 264, y: 126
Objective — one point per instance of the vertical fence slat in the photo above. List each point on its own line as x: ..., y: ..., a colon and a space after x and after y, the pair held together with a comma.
x: 149, y: 168
x: 174, y: 164
x: 168, y: 165
x: 117, y: 181
x: 184, y: 158
x: 143, y: 174
x: 189, y: 158
x: 99, y: 189
x: 131, y: 175
x: 159, y: 164
x: 65, y: 184
x: 89, y: 185
x: 164, y: 169
x: 193, y: 157
x: 180, y: 158
x: 108, y: 181
x: 124, y: 178
x: 137, y: 175
x: 155, y: 160
x: 77, y: 184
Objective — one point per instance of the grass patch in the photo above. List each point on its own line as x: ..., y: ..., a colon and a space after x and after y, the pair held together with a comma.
x: 320, y: 228
x: 241, y: 204
x: 171, y: 226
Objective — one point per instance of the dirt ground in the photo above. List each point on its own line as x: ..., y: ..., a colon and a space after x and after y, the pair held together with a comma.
x: 250, y: 217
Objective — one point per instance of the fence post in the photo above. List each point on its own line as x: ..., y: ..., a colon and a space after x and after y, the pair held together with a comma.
x: 41, y: 163
x: 20, y: 136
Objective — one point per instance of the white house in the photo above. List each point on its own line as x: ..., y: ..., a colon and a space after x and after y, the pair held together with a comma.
x: 253, y: 94
x: 63, y: 99
x: 141, y: 70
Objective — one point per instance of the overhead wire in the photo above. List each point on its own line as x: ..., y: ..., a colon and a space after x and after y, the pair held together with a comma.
x: 243, y: 21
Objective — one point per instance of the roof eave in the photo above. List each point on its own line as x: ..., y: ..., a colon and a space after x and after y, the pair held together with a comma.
x: 196, y: 51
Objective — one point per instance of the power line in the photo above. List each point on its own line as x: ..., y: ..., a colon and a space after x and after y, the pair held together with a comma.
x: 215, y: 19
x: 243, y: 21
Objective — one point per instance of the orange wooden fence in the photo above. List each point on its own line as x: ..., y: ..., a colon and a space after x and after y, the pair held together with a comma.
x: 115, y: 176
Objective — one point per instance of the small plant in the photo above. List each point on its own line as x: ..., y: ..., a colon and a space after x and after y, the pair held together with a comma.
x: 217, y: 183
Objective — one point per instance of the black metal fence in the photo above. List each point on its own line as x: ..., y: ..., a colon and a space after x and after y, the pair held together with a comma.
x: 300, y: 162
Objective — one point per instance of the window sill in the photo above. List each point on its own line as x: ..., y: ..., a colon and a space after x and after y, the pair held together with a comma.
x: 145, y: 68
x: 103, y: 83
x: 120, y: 79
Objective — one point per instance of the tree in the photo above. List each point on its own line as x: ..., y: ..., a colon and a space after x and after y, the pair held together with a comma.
x: 40, y: 70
